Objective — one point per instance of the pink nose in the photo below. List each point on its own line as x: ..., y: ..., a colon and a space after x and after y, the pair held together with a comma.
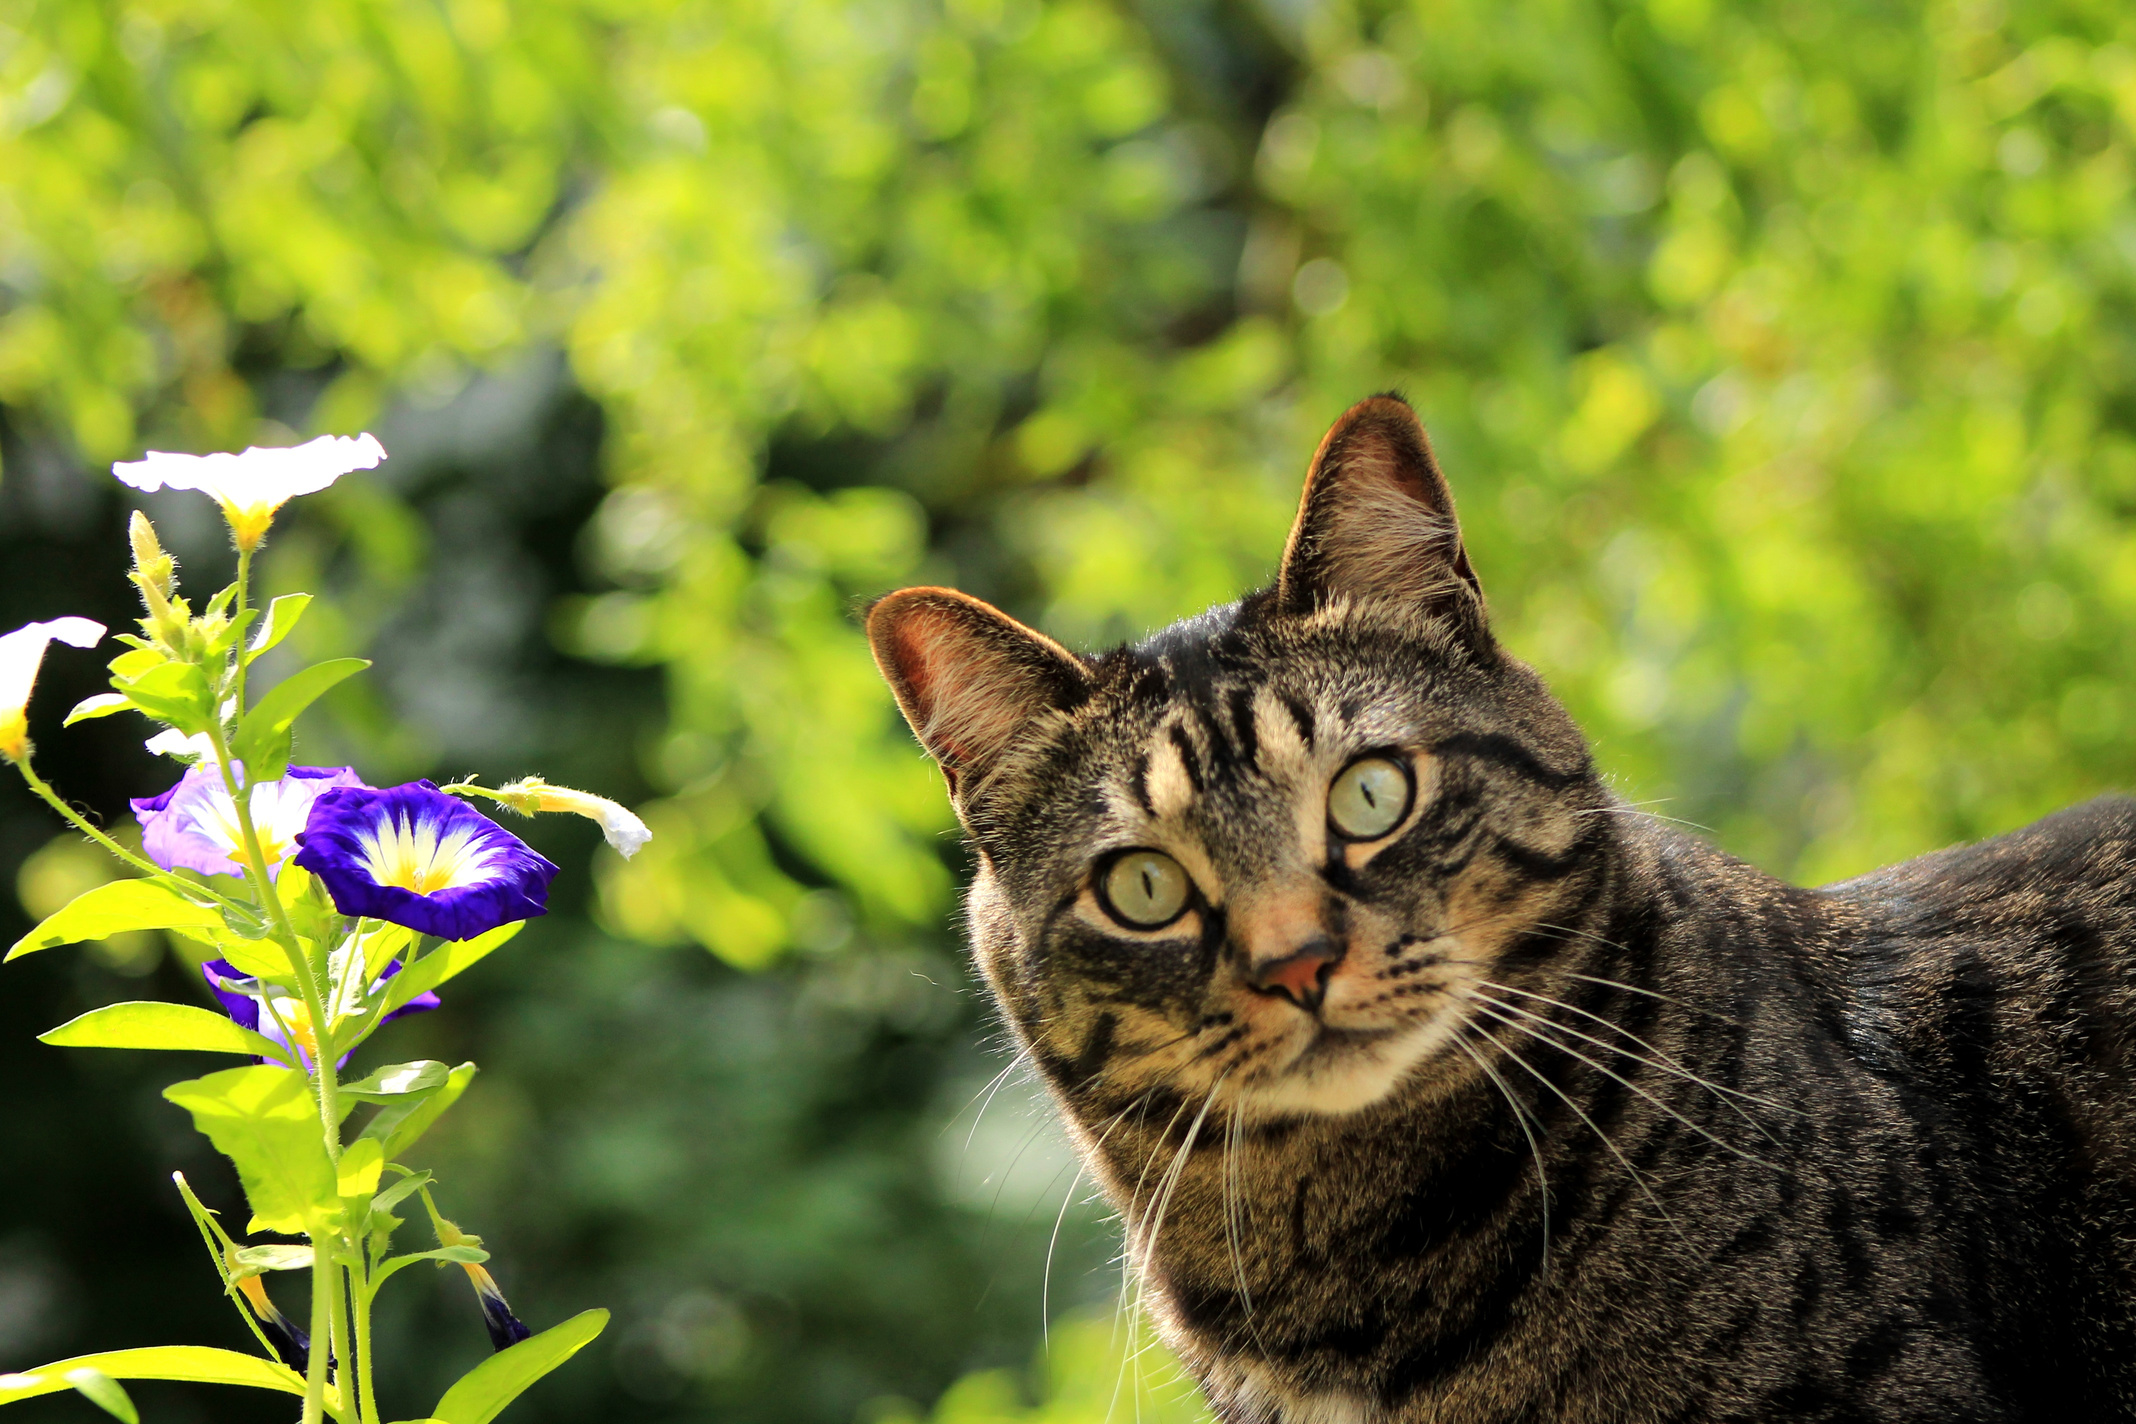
x: 1302, y: 978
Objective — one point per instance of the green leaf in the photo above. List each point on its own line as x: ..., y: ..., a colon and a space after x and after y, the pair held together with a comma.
x: 356, y: 1176
x: 253, y: 1260
x: 398, y: 1080
x: 113, y: 908
x: 484, y: 1390
x: 155, y: 1025
x: 451, y: 1255
x: 199, y: 1364
x: 128, y: 666
x: 265, y: 1120
x: 244, y: 921
x: 448, y: 959
x: 177, y: 693
x: 397, y: 1125
x: 103, y: 1391
x: 259, y: 958
x: 282, y: 616
x: 263, y: 738
x: 400, y: 1190
x: 101, y: 705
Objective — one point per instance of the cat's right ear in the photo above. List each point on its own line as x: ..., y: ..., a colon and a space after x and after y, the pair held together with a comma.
x: 1377, y: 523
x: 966, y: 675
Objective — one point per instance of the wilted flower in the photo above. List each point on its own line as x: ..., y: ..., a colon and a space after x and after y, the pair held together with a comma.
x: 243, y: 999
x: 505, y: 1328
x: 21, y: 653
x: 622, y: 827
x: 194, y: 824
x: 413, y: 856
x: 291, y: 1341
x: 252, y: 486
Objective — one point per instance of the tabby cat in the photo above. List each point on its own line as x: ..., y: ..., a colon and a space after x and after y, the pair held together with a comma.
x: 1435, y: 1083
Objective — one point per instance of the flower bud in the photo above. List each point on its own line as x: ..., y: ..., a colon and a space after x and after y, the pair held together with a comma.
x: 152, y: 566
x: 622, y: 828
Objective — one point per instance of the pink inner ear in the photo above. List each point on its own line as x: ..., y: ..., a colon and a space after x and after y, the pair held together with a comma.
x: 1384, y: 538
x: 970, y: 691
x: 925, y: 639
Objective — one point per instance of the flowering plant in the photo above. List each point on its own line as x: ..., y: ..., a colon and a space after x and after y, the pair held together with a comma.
x: 332, y: 908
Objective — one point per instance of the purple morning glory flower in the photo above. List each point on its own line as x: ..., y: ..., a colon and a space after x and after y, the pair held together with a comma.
x: 413, y: 856
x: 194, y: 824
x: 246, y: 1011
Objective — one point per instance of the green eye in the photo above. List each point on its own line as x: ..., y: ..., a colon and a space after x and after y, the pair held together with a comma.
x: 1145, y: 889
x: 1368, y: 799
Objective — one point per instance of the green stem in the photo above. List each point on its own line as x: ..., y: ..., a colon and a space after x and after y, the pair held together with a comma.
x: 366, y: 1389
x: 243, y: 651
x: 88, y: 828
x: 322, y: 1275
x: 286, y: 935
x: 339, y: 1318
x: 326, y: 1277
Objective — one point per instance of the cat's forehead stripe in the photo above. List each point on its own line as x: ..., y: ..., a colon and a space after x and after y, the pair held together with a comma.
x: 1239, y: 729
x: 1173, y: 780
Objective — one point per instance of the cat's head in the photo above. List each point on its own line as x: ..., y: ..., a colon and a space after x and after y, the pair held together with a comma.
x: 1262, y: 857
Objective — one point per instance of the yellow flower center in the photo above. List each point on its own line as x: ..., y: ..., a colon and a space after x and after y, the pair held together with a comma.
x: 296, y: 1016
x: 418, y: 858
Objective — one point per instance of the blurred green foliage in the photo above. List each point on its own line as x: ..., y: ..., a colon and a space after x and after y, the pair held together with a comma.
x: 1782, y: 357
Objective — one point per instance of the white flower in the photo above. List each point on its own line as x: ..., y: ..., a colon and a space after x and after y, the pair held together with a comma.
x: 171, y: 742
x: 623, y: 829
x: 20, y: 654
x: 252, y: 486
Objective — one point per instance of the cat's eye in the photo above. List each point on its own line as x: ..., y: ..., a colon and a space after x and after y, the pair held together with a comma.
x: 1369, y: 798
x: 1145, y: 889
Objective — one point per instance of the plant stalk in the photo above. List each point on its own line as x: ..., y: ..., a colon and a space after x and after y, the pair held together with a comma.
x: 366, y: 1388
x: 326, y: 1277
x: 338, y: 1276
x: 321, y: 1333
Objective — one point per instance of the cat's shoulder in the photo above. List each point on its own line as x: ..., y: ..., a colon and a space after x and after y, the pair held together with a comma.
x: 2084, y: 856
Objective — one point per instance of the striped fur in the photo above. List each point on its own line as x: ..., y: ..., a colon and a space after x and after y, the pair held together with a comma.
x: 1593, y: 1122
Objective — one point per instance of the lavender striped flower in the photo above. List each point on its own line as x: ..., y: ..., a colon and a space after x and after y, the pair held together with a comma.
x: 413, y: 856
x: 242, y: 999
x: 194, y: 824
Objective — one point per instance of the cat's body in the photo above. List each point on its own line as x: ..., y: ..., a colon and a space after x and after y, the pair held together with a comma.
x: 1434, y: 1083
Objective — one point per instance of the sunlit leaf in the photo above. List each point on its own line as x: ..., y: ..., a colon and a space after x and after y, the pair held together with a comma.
x: 101, y: 705
x: 487, y: 1388
x: 447, y: 960
x: 265, y: 1120
x: 398, y: 1124
x: 282, y: 616
x: 273, y: 1257
x: 263, y: 738
x: 176, y: 693
x: 160, y: 1025
x: 103, y: 1391
x: 451, y: 1255
x: 398, y: 1080
x: 114, y: 908
x: 198, y: 1364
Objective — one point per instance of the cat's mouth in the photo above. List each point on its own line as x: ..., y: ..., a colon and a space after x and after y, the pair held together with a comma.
x: 1333, y: 1045
x: 1342, y: 1070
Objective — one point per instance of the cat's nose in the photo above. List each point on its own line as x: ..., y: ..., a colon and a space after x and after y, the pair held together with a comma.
x: 1301, y: 977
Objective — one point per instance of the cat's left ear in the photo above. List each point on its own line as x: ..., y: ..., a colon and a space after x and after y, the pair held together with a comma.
x: 967, y: 676
x: 1377, y: 522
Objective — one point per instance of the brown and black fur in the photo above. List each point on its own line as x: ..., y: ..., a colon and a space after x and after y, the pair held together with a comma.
x: 1581, y: 1119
